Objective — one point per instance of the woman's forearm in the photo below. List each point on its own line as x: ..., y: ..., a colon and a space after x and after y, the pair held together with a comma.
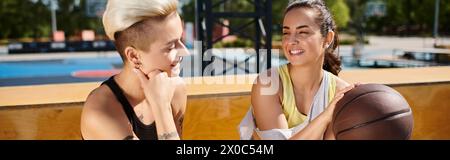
x: 314, y: 130
x: 165, y: 124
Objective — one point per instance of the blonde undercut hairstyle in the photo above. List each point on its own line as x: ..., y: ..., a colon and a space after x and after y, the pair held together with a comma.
x: 126, y: 21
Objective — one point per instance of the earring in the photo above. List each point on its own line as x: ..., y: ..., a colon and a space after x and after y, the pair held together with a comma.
x: 137, y: 65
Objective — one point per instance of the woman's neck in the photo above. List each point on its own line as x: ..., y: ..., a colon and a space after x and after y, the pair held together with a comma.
x: 306, y: 79
x: 130, y: 84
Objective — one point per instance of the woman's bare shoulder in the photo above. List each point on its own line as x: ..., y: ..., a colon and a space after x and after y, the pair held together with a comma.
x: 267, y: 83
x: 266, y: 102
x: 266, y: 91
x: 340, y: 83
x: 99, y: 98
x: 102, y: 116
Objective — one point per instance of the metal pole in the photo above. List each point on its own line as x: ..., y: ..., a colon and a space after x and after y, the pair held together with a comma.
x: 268, y: 9
x: 258, y: 34
x: 209, y: 38
x: 198, y: 20
x: 53, y: 9
x: 436, y: 22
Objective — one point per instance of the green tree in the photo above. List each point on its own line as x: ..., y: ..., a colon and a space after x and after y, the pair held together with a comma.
x: 72, y: 18
x: 340, y: 12
x: 404, y: 17
x: 23, y: 19
x: 31, y: 18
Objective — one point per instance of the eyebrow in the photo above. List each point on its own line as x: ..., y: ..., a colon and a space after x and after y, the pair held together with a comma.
x: 172, y: 41
x: 299, y: 27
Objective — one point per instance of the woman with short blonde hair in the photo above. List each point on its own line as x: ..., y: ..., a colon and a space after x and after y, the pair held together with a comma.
x: 147, y: 99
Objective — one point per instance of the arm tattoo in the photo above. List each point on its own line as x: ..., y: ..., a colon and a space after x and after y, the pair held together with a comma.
x: 180, y: 122
x: 167, y: 136
x: 128, y: 138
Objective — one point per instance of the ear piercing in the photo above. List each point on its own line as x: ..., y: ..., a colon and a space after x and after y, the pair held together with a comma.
x: 137, y: 65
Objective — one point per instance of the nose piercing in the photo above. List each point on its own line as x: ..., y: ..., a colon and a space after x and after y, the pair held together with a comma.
x: 180, y: 59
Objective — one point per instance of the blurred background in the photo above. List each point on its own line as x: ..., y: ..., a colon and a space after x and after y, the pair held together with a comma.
x: 63, y: 41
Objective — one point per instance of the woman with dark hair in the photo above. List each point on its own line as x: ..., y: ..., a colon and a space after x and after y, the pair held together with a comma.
x: 302, y: 105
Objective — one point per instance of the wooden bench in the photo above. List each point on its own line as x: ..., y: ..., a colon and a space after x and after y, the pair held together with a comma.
x: 215, y: 110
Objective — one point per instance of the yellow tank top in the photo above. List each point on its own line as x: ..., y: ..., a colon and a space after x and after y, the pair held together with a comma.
x: 293, y: 116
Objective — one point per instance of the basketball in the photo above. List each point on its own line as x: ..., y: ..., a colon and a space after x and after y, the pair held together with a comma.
x: 372, y: 112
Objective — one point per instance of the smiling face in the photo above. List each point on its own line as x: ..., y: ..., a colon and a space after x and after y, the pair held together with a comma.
x: 166, y: 50
x: 303, y: 43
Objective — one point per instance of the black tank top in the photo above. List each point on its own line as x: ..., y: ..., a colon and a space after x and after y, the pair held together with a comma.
x: 142, y: 131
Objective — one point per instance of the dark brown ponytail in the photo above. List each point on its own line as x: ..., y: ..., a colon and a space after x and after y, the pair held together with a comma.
x: 331, y: 63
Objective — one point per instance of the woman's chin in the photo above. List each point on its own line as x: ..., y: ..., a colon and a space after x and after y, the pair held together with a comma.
x: 296, y: 62
x: 175, y: 72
